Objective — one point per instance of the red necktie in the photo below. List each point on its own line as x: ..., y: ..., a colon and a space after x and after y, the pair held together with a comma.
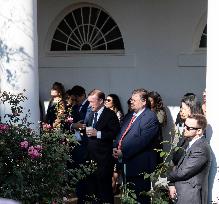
x: 126, y: 130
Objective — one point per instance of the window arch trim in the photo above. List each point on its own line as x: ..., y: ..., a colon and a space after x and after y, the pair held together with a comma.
x: 61, y: 18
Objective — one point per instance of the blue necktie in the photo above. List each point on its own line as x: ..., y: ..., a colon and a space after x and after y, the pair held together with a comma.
x: 95, y: 120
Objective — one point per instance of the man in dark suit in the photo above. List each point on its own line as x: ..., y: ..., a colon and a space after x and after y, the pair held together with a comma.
x: 79, y: 154
x: 102, y: 127
x: 136, y: 142
x: 82, y: 105
x: 189, y: 180
x: 80, y: 112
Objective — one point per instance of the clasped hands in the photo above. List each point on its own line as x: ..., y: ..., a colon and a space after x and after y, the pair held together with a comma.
x: 91, y: 132
x: 117, y: 153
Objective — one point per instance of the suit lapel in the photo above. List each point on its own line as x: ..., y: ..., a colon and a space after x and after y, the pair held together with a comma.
x: 181, y: 160
x: 136, y: 120
x: 187, y: 154
x: 101, y: 118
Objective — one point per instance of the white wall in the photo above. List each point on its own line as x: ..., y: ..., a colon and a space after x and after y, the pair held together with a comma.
x: 159, y: 38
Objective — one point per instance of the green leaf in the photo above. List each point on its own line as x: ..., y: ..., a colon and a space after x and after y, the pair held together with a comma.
x: 162, y: 154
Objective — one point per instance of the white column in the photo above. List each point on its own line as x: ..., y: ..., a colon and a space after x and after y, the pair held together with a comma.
x: 212, y: 81
x: 19, y: 52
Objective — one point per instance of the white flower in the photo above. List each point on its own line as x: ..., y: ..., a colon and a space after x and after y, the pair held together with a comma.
x: 162, y: 182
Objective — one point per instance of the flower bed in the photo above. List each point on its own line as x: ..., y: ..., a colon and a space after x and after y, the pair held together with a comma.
x: 33, y: 167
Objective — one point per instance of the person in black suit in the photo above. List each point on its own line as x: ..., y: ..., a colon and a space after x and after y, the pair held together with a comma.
x: 189, y: 180
x: 81, y: 108
x: 79, y: 154
x: 102, y: 127
x: 135, y: 143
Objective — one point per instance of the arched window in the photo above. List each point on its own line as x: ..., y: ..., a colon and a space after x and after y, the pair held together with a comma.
x: 87, y: 29
x: 203, y: 41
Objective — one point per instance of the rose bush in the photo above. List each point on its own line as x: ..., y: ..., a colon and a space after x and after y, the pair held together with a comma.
x: 33, y: 166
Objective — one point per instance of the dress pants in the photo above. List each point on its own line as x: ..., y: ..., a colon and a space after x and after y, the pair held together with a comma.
x: 140, y: 185
x: 79, y: 156
x: 101, y: 188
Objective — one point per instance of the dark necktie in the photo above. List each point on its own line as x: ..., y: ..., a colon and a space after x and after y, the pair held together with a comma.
x: 95, y: 120
x: 126, y: 130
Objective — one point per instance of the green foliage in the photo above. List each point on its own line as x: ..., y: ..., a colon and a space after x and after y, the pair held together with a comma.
x: 33, y: 167
x: 128, y: 195
x: 159, y: 191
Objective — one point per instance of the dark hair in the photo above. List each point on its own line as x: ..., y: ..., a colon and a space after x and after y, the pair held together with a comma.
x: 189, y: 94
x: 192, y: 102
x: 69, y: 92
x: 143, y: 95
x: 129, y: 101
x: 78, y: 90
x: 116, y: 102
x: 201, y: 120
x: 97, y: 92
x: 59, y: 87
x: 158, y: 103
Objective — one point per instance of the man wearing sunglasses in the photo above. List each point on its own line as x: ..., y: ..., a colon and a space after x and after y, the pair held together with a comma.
x: 189, y: 180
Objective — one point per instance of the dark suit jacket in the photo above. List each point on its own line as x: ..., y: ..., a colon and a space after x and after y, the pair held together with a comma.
x: 183, y: 144
x: 191, y: 174
x: 139, y: 142
x: 100, y: 150
x: 79, y: 112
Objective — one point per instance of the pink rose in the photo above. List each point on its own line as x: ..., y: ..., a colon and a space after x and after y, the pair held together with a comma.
x: 47, y: 127
x: 69, y: 120
x: 34, y: 153
x: 4, y: 127
x: 38, y: 147
x: 24, y: 144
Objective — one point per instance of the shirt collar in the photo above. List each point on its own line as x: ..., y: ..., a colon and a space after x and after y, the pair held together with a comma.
x: 138, y: 113
x: 100, y: 111
x: 193, y: 141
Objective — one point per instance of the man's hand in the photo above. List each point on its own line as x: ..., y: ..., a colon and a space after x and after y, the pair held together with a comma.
x: 79, y: 126
x: 117, y: 153
x: 172, y: 192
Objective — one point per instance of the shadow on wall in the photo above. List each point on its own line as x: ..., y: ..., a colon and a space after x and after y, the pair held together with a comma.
x: 10, y: 56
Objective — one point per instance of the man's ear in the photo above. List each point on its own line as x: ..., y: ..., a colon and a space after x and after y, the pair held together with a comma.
x: 200, y: 132
x: 101, y: 101
x: 144, y: 101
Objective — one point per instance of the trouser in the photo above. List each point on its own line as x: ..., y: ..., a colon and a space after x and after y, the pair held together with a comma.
x: 140, y: 185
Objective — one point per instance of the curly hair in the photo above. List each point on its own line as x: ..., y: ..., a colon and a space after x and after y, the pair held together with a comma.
x: 158, y: 103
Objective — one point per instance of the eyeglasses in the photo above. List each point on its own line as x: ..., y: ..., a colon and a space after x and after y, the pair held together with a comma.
x: 108, y: 100
x: 191, y: 128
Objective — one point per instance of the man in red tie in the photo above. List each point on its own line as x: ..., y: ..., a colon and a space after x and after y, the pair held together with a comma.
x: 135, y: 144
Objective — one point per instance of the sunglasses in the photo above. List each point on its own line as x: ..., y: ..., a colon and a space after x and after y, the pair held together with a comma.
x: 108, y: 100
x: 191, y: 128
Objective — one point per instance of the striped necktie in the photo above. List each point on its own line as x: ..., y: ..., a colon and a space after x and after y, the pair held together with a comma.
x: 126, y: 130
